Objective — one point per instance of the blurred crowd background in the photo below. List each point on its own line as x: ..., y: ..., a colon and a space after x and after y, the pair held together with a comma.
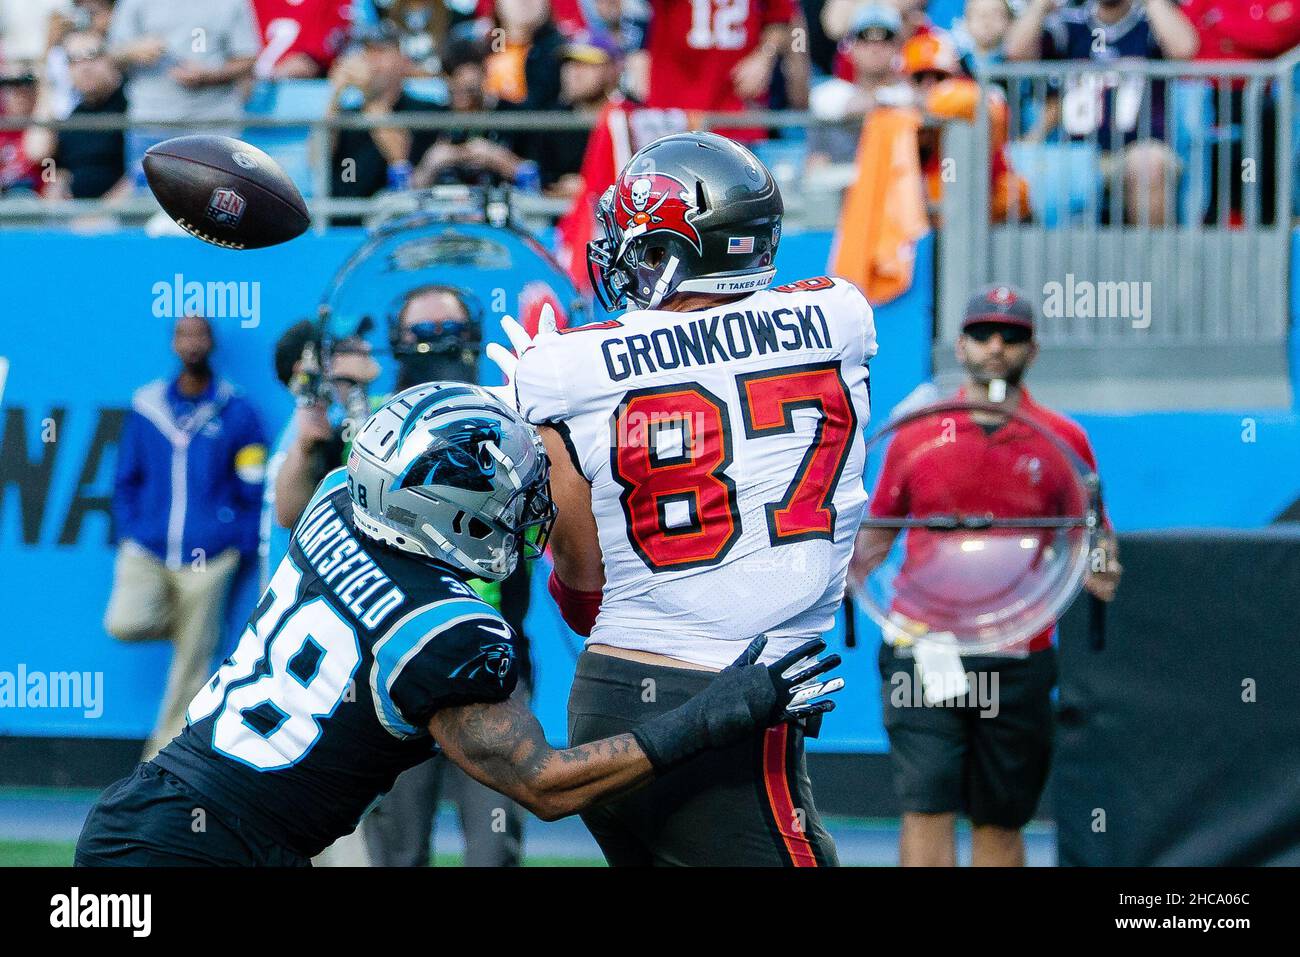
x: 631, y: 70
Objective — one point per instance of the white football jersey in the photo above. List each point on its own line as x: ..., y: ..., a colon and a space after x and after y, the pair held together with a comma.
x: 725, y: 454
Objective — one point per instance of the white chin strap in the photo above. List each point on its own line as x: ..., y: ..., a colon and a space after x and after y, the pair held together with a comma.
x: 661, y: 287
x: 711, y: 285
x: 506, y: 463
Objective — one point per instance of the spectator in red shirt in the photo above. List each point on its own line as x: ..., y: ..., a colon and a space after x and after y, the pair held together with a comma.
x: 18, y: 172
x: 301, y: 37
x: 957, y: 758
x: 703, y: 57
x: 621, y: 128
x: 1233, y: 30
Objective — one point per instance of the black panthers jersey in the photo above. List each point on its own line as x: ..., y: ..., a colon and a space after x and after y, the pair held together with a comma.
x: 328, y: 695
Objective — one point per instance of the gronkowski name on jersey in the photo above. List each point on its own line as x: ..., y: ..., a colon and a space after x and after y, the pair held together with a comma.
x: 327, y: 698
x: 725, y: 454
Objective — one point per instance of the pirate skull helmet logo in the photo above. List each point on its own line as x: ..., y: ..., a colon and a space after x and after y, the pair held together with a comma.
x: 650, y: 201
x: 641, y: 194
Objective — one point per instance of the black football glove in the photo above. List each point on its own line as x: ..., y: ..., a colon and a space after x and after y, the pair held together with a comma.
x: 798, y: 693
x: 744, y: 697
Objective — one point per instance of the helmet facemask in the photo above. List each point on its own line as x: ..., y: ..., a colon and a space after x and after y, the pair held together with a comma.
x: 609, y: 276
x: 520, y: 527
x: 639, y: 269
x: 537, y: 512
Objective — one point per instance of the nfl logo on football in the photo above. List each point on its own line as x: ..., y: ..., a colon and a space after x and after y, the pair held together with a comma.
x: 226, y: 207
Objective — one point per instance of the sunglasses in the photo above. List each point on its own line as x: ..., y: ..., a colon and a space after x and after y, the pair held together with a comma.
x: 876, y: 34
x: 1012, y: 335
x: 86, y: 57
x: 938, y: 76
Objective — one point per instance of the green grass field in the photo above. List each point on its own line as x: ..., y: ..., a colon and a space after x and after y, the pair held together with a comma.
x: 38, y: 828
x: 35, y: 854
x: 59, y: 854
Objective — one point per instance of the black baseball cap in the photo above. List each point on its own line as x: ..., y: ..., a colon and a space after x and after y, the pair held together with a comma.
x: 1002, y: 304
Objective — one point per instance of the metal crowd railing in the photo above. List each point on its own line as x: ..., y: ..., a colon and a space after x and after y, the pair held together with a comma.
x: 807, y: 201
x: 1206, y: 247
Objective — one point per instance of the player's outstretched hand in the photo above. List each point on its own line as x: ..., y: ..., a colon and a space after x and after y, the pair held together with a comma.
x: 744, y: 697
x: 520, y: 342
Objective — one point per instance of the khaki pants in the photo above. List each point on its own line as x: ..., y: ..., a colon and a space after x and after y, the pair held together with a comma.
x: 151, y: 601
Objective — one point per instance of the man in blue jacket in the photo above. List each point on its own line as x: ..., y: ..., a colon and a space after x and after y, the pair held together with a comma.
x: 191, y: 461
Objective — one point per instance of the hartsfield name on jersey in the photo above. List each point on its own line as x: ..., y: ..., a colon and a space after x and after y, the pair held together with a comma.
x: 716, y: 338
x: 345, y: 567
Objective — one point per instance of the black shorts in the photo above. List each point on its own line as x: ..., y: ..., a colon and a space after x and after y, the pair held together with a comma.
x: 749, y: 805
x: 990, y: 763
x: 151, y: 818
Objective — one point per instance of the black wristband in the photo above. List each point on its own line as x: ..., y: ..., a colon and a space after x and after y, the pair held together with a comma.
x: 738, y: 702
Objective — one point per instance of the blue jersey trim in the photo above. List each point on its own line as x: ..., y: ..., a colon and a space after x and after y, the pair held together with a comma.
x: 404, y: 641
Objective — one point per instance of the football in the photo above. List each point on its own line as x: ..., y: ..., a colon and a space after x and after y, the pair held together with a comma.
x: 225, y: 192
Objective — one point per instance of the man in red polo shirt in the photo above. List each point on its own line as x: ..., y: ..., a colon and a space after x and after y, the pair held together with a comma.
x: 986, y: 758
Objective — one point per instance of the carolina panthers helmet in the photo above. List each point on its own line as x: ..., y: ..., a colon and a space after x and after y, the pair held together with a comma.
x: 447, y: 472
x: 690, y: 212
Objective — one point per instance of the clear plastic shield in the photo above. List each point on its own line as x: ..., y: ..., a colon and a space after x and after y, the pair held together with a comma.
x: 980, y: 529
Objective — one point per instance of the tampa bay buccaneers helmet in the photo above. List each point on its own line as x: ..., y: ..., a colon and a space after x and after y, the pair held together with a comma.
x: 691, y: 212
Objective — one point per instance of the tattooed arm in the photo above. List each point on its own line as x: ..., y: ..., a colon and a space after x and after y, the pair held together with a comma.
x: 502, y: 745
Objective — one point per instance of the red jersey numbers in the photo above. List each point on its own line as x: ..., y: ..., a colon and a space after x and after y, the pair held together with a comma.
x: 669, y: 449
x: 769, y: 400
x: 671, y: 446
x: 806, y: 285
